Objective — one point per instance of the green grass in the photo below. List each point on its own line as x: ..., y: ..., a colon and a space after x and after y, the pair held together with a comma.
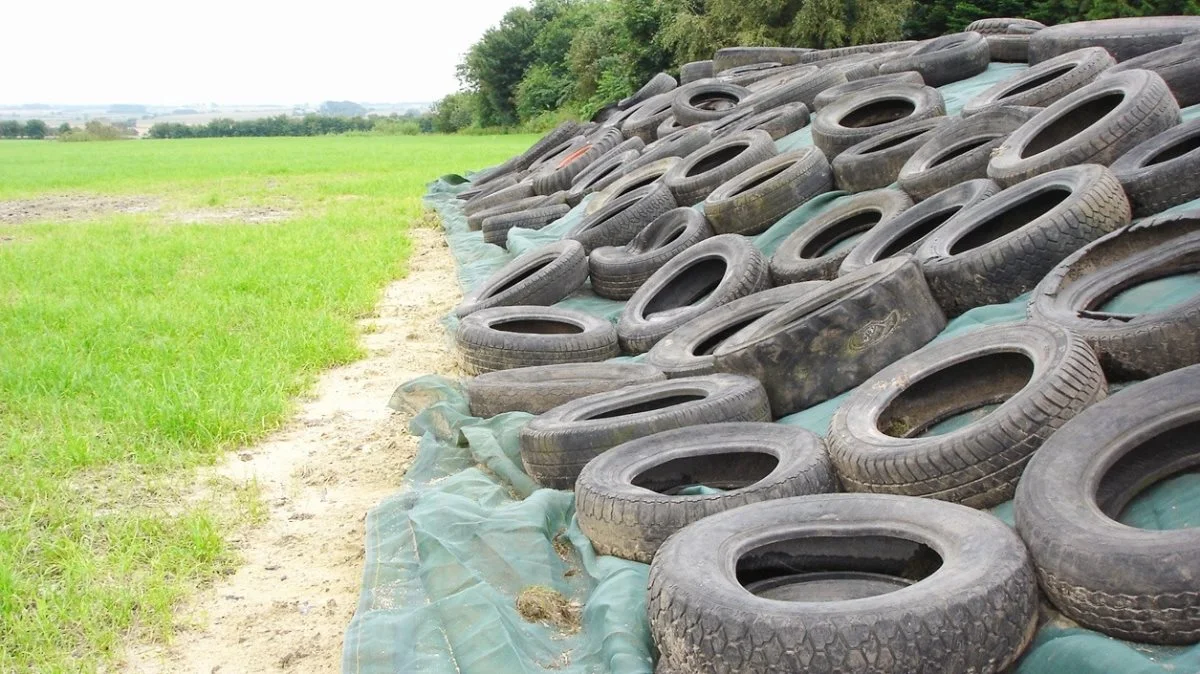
x: 134, y: 348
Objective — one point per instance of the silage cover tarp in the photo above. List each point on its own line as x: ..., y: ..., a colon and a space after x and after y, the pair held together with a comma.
x: 448, y: 554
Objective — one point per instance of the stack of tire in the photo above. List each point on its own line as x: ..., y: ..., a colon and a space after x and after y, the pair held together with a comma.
x: 757, y: 565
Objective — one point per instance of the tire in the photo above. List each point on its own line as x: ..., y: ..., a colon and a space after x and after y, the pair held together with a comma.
x: 605, y: 138
x: 1095, y: 125
x: 757, y: 198
x: 829, y: 54
x: 1130, y: 583
x: 475, y: 220
x: 1008, y: 48
x: 903, y: 234
x: 1039, y: 375
x: 800, y: 86
x: 713, y: 272
x: 960, y: 151
x: 816, y: 250
x: 657, y: 85
x: 495, y: 228
x: 701, y: 172
x: 696, y: 70
x: 778, y: 122
x: 675, y: 146
x: 688, y: 350
x: 977, y: 613
x: 543, y: 387
x: 834, y: 339
x: 706, y: 101
x: 750, y: 73
x: 617, y: 273
x: 505, y: 195
x: 733, y: 57
x: 1160, y: 172
x: 540, y: 277
x: 535, y: 336
x: 1138, y: 346
x: 557, y: 153
x: 875, y: 163
x: 858, y: 117
x: 627, y: 501
x: 558, y: 176
x: 668, y: 127
x: 1179, y: 67
x: 556, y: 445
x: 944, y: 60
x: 1002, y: 247
x: 1044, y: 83
x: 618, y: 221
x: 604, y: 171
x: 834, y: 93
x: 644, y: 121
x: 1002, y: 25
x: 630, y: 181
x: 558, y: 135
x: 1123, y: 38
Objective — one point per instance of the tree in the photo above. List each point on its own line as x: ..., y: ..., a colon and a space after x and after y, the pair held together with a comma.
x: 342, y: 109
x: 36, y: 129
x: 495, y: 65
x: 454, y: 112
x: 65, y: 127
x: 11, y: 128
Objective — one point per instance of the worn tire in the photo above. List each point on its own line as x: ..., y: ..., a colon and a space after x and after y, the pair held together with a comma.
x: 757, y: 198
x: 960, y: 150
x: 1161, y: 172
x: 1008, y: 48
x: 1136, y: 105
x: 687, y: 351
x: 802, y: 85
x: 1129, y: 346
x: 540, y: 388
x: 1130, y: 583
x: 504, y: 195
x: 701, y: 172
x: 1002, y: 247
x: 834, y: 93
x: 858, y: 117
x: 1044, y: 83
x: 475, y: 220
x: 876, y: 162
x: 556, y: 445
x: 556, y: 136
x: 840, y: 52
x: 904, y: 233
x: 1040, y: 375
x: 732, y: 57
x: 977, y: 613
x: 816, y: 250
x: 625, y: 499
x: 675, y: 146
x: 1123, y: 38
x: 748, y: 74
x: 619, y: 220
x: 944, y: 60
x: 604, y: 171
x: 644, y: 121
x: 631, y: 180
x: 617, y: 272
x: 558, y: 177
x: 536, y: 336
x: 1002, y: 25
x: 696, y: 70
x: 835, y: 338
x: 713, y: 272
x: 778, y: 122
x: 495, y: 228
x: 540, y: 277
x: 1179, y: 66
x: 706, y: 101
x: 657, y: 85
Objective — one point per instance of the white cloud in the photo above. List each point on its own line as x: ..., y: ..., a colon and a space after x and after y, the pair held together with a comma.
x: 231, y: 51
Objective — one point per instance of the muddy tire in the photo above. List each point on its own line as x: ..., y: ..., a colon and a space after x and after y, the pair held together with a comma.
x: 676, y: 146
x: 711, y: 273
x: 835, y: 338
x: 816, y: 250
x: 627, y: 498
x: 495, y: 228
x: 832, y: 94
x: 876, y: 162
x: 630, y: 181
x: 618, y: 272
x: 944, y: 60
x: 688, y: 350
x: 1161, y: 172
x: 1129, y: 346
x: 503, y: 338
x: 644, y: 121
x: 556, y: 445
x: 543, y: 387
x: 701, y: 172
x: 1038, y: 375
x: 977, y: 613
x: 757, y: 198
x: 618, y: 221
x: 904, y: 234
x: 540, y: 277
x: 1130, y: 583
x: 858, y: 117
x: 558, y: 176
x: 1123, y: 38
x: 1044, y: 83
x: 960, y: 150
x: 1179, y: 66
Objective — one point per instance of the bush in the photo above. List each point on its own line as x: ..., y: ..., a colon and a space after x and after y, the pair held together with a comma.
x: 396, y: 127
x: 96, y: 130
x: 35, y: 129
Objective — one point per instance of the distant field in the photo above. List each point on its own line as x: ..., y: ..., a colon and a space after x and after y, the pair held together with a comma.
x: 160, y: 303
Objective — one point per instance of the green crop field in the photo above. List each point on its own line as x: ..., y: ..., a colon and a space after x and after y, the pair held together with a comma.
x: 162, y: 302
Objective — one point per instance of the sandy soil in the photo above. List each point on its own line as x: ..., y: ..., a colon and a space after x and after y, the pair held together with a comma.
x: 287, y: 607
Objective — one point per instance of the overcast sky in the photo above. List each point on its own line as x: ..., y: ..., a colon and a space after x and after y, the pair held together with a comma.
x: 237, y: 51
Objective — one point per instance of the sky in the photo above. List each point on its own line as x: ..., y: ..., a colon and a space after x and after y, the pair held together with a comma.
x: 167, y: 52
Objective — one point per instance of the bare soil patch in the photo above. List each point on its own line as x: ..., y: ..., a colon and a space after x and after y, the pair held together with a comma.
x: 67, y: 207
x: 287, y: 607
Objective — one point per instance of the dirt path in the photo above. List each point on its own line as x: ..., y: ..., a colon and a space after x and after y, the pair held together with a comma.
x: 287, y: 607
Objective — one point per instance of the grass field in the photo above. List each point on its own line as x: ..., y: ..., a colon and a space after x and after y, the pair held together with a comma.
x: 137, y: 346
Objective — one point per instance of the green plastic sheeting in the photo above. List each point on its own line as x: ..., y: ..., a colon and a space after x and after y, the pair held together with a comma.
x: 448, y: 555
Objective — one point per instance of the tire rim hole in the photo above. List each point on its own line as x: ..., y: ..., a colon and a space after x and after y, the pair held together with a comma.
x: 878, y: 112
x: 841, y: 235
x: 1036, y: 82
x: 1176, y: 150
x: 957, y: 151
x: 691, y: 285
x: 666, y: 236
x: 1071, y: 123
x: 1166, y: 462
x: 533, y: 326
x: 835, y: 568
x: 1011, y: 219
x: 917, y: 233
x: 717, y: 158
x: 724, y: 470
x: 647, y: 406
x: 1160, y: 290
x: 956, y: 396
x: 713, y: 101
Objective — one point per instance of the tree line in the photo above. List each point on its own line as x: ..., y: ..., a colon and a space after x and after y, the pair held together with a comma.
x: 308, y: 125
x: 570, y: 57
x: 34, y: 129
